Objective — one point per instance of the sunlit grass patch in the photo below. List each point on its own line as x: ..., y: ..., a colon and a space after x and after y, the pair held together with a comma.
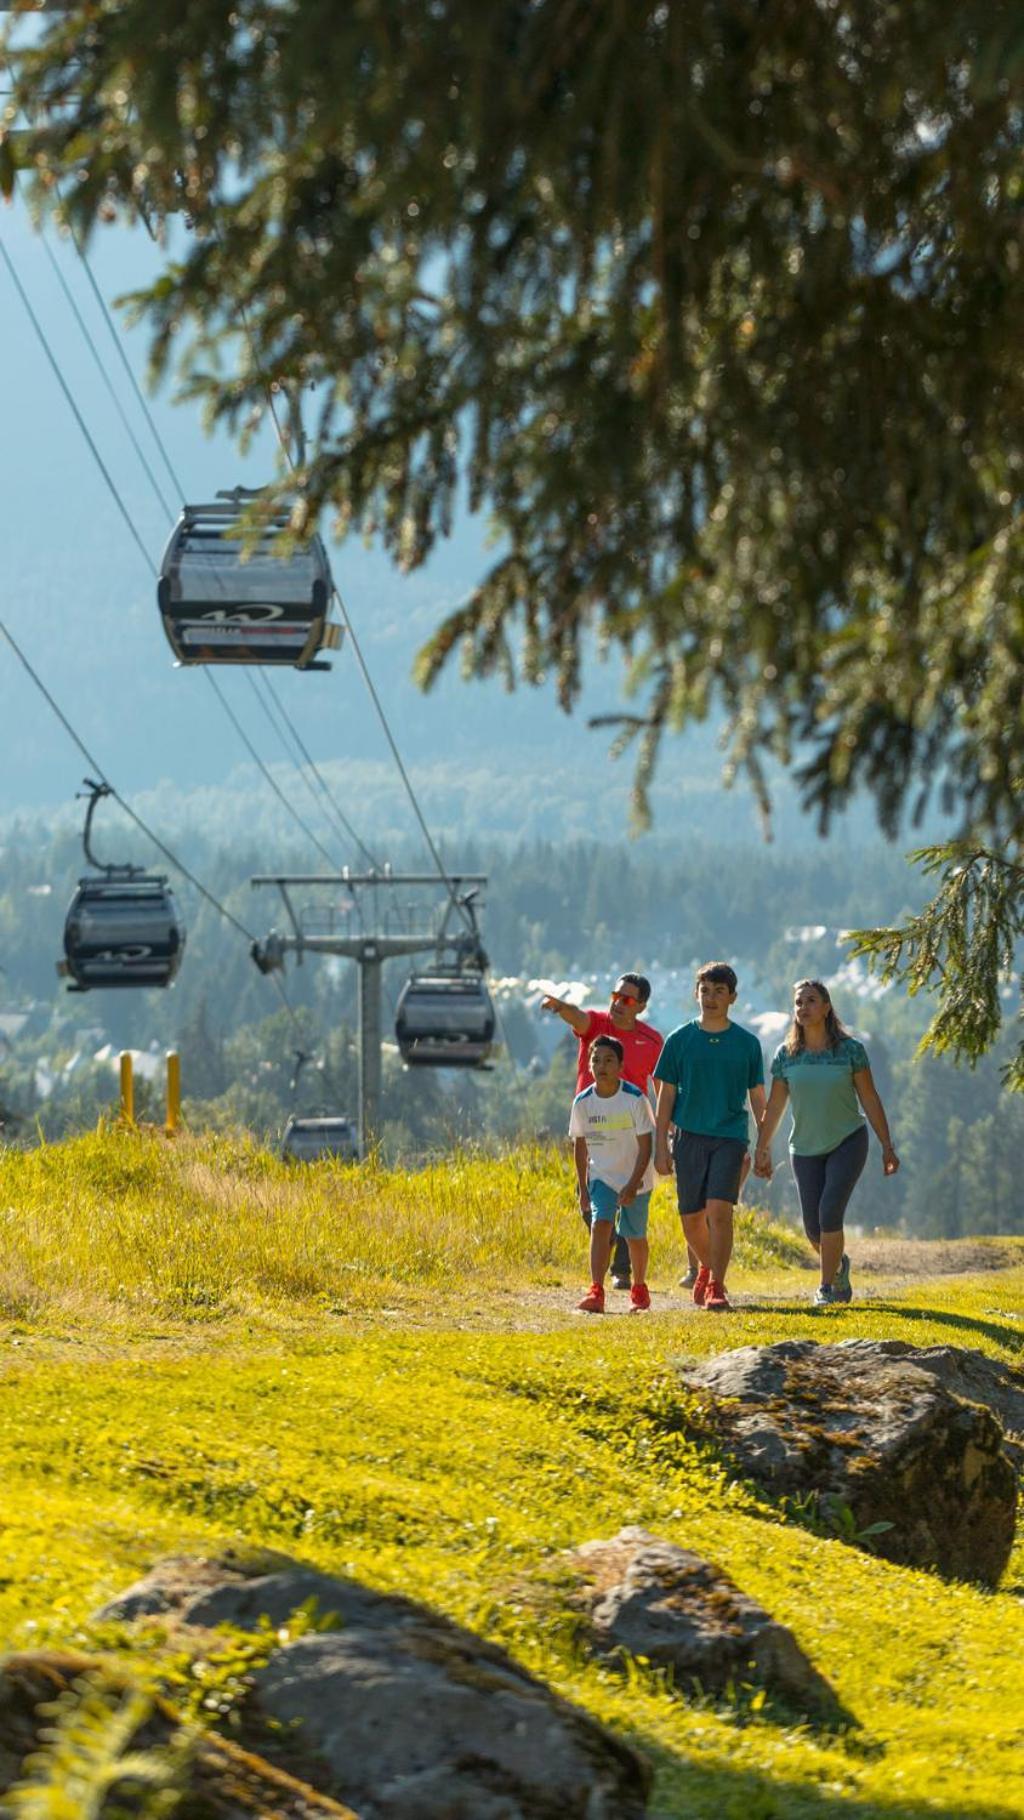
x: 212, y: 1227
x: 180, y: 1374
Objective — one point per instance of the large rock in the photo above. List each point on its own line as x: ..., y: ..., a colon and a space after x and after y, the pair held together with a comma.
x: 221, y: 1780
x: 969, y: 1374
x: 876, y: 1438
x: 647, y: 1598
x: 398, y: 1711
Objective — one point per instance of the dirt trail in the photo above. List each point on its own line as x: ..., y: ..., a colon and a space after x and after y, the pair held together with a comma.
x: 882, y: 1267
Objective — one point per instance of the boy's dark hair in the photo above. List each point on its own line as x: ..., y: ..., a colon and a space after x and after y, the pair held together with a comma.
x: 640, y: 981
x: 608, y: 1042
x: 719, y: 972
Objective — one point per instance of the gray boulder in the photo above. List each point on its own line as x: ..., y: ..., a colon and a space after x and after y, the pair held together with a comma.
x: 647, y: 1598
x: 399, y: 1712
x: 968, y: 1374
x: 878, y: 1438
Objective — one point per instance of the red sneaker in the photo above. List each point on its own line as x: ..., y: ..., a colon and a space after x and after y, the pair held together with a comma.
x: 716, y: 1299
x: 639, y: 1298
x: 700, y: 1287
x: 593, y: 1301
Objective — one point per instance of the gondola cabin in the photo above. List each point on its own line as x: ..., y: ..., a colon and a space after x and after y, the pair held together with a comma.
x: 445, y: 1020
x: 223, y: 601
x: 122, y: 931
x: 306, y: 1140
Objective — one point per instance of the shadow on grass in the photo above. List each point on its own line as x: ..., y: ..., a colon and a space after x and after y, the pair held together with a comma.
x: 688, y: 1789
x: 1003, y: 1333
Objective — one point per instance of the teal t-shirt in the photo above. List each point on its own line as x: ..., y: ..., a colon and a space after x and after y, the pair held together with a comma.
x: 712, y: 1072
x: 822, y: 1094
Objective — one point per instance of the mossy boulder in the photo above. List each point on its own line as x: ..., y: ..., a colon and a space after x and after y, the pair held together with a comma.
x: 872, y: 1441
x: 395, y: 1709
x: 647, y: 1599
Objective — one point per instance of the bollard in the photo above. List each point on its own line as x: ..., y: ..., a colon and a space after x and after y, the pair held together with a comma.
x: 127, y: 1088
x: 173, y: 1092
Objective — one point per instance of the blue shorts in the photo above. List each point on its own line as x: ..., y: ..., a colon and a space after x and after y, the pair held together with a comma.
x: 631, y: 1221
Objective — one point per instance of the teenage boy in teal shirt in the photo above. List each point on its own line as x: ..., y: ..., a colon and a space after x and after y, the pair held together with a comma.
x: 708, y: 1072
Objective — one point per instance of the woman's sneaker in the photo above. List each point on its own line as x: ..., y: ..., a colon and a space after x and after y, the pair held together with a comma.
x: 639, y: 1298
x: 825, y: 1296
x: 715, y: 1299
x: 593, y: 1301
x: 842, y: 1288
x: 687, y: 1281
x: 700, y: 1286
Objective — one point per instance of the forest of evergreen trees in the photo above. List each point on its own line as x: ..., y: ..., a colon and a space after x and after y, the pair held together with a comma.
x: 552, y: 912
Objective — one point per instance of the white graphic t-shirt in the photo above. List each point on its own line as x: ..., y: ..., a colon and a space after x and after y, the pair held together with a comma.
x: 611, y: 1127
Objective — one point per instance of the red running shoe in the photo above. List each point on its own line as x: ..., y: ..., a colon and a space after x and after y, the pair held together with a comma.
x: 700, y: 1287
x: 639, y: 1298
x: 716, y: 1299
x: 593, y: 1301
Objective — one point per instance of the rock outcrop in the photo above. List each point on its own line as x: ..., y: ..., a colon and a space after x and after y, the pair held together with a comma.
x: 647, y: 1598
x: 968, y: 1374
x: 399, y: 1712
x: 873, y: 1437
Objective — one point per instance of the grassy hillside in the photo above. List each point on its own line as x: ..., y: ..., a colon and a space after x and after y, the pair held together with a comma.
x: 382, y: 1374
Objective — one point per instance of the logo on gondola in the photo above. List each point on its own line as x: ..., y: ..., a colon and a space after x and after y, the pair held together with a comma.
x: 240, y: 616
x: 123, y: 957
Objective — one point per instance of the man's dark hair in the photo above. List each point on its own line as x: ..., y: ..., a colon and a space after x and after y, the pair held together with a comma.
x: 639, y: 980
x: 608, y: 1042
x: 719, y: 972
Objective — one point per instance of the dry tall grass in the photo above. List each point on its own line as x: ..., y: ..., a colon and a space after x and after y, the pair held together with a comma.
x: 214, y: 1225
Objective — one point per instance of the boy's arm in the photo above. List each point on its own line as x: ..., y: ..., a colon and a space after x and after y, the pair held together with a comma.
x: 579, y: 1152
x: 758, y: 1103
x: 666, y: 1102
x: 644, y: 1144
x: 570, y: 1014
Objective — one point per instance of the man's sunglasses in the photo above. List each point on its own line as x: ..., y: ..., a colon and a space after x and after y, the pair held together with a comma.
x: 624, y: 998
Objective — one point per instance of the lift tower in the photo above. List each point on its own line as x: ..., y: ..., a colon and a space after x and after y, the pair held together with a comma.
x: 327, y: 930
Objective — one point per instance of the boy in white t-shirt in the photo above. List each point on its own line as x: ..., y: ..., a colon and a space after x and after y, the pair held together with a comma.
x: 613, y: 1131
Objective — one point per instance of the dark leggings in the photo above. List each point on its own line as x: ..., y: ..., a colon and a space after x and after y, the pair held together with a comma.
x: 825, y: 1183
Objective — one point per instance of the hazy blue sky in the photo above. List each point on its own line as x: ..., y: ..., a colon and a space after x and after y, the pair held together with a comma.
x: 76, y: 592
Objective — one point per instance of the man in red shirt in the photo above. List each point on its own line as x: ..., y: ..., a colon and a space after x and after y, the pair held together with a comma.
x: 641, y: 1047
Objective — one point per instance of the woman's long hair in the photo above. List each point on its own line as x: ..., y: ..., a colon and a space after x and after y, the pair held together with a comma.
x: 834, y: 1032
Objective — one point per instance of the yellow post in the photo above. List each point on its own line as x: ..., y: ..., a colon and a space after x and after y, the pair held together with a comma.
x: 127, y: 1088
x: 173, y: 1091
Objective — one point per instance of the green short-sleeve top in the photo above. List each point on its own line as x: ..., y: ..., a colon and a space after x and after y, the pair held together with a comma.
x: 712, y: 1072
x: 821, y: 1093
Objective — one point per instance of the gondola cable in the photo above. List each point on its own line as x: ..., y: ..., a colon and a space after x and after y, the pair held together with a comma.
x: 335, y: 809
x: 347, y: 620
x: 332, y: 806
x: 170, y: 856
x: 136, y: 538
x: 105, y: 376
x: 132, y: 814
x: 267, y: 774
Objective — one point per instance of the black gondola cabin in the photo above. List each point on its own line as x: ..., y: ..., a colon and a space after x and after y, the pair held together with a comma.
x: 223, y: 601
x: 445, y: 1020
x: 122, y: 931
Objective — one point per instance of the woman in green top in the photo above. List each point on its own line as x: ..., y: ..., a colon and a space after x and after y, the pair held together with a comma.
x: 824, y: 1074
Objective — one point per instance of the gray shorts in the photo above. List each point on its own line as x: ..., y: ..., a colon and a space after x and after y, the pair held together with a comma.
x: 707, y: 1169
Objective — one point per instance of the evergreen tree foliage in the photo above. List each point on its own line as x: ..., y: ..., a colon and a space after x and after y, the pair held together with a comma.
x: 715, y: 307
x: 962, y: 945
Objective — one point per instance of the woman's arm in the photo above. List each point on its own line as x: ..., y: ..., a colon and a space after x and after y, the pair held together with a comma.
x: 773, y: 1111
x: 874, y: 1112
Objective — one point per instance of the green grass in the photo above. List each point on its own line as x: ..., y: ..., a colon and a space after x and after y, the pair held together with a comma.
x: 178, y: 1375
